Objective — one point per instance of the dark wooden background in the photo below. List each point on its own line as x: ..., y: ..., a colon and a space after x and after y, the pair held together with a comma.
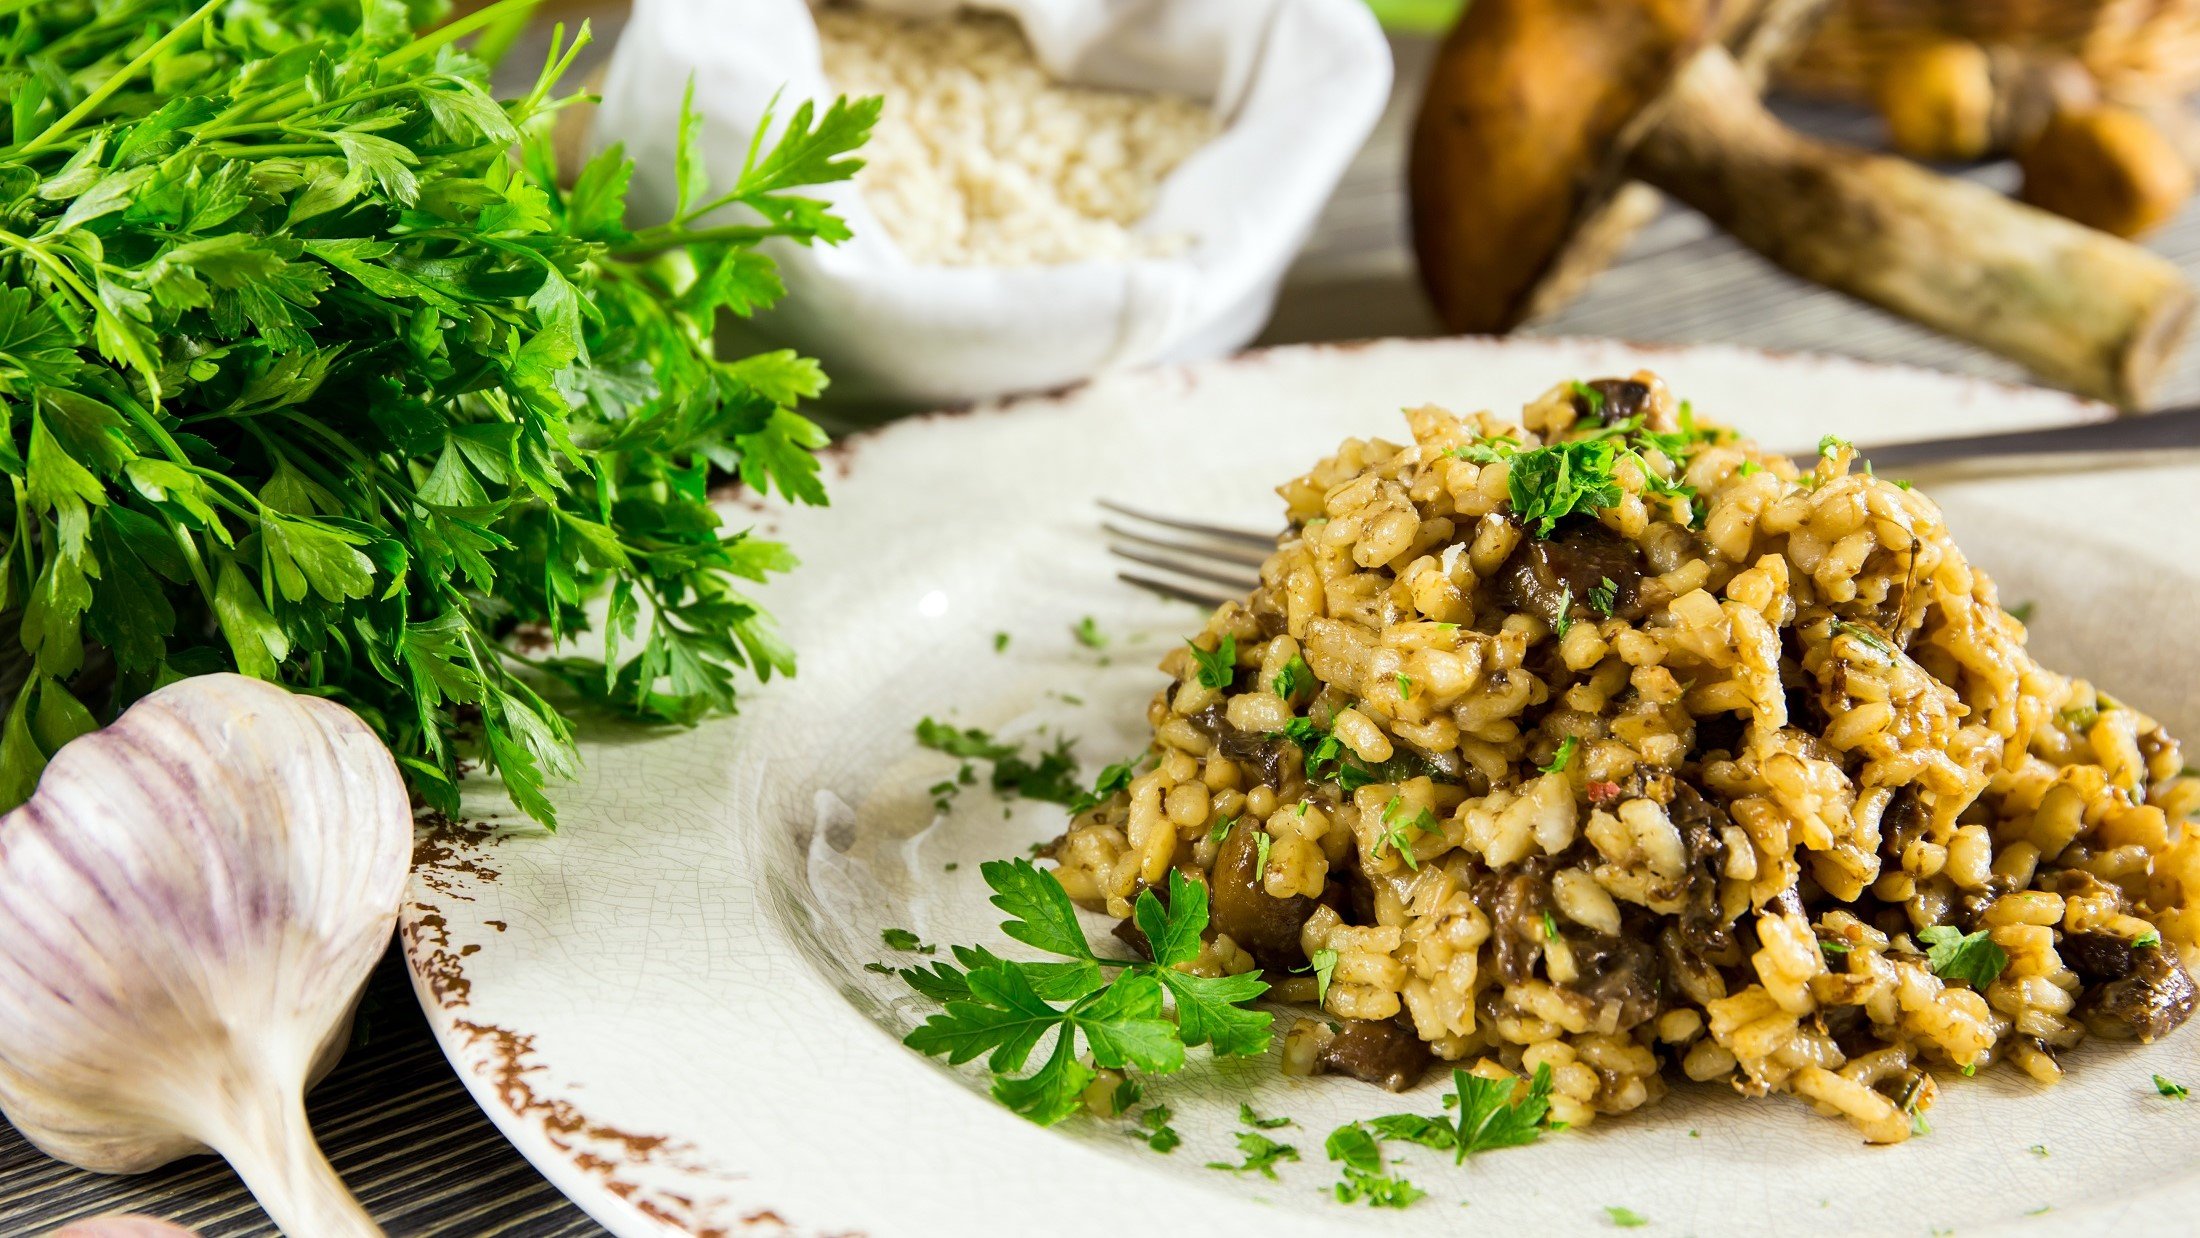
x: 394, y: 1119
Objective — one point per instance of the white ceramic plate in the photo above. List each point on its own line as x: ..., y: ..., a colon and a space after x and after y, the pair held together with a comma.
x: 664, y: 1005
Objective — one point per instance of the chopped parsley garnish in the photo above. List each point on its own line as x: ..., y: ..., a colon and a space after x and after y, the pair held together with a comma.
x: 1365, y: 1178
x: 1262, y: 841
x: 1261, y: 1155
x: 1127, y: 1094
x: 1000, y: 642
x: 1323, y: 963
x: 1052, y: 778
x: 1591, y: 400
x: 1221, y: 829
x: 2173, y: 1090
x: 1247, y: 1117
x: 1605, y: 597
x: 1296, y: 674
x: 1394, y: 831
x: 1749, y: 468
x: 2022, y: 611
x: 1405, y: 687
x: 1488, y: 450
x: 1548, y: 484
x: 1564, y: 755
x: 1216, y: 669
x: 1565, y: 620
x: 1434, y: 1133
x: 1834, y: 947
x: 2039, y: 1150
x: 1864, y: 636
x: 1973, y: 959
x: 1831, y: 443
x: 1550, y: 926
x: 1114, y: 778
x: 968, y: 743
x: 1002, y: 1009
x: 2080, y: 718
x: 1902, y: 483
x: 903, y: 939
x: 1160, y: 1136
x: 1625, y: 1218
x: 2147, y: 941
x: 1088, y: 634
x: 951, y: 866
x: 883, y: 969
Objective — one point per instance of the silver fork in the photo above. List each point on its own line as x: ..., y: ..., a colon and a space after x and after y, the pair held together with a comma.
x: 1207, y: 564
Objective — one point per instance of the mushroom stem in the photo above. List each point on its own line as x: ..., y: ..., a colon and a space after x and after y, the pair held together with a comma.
x: 264, y: 1136
x: 2079, y: 308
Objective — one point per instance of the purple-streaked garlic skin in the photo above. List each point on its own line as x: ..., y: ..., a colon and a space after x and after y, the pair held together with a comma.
x: 190, y: 904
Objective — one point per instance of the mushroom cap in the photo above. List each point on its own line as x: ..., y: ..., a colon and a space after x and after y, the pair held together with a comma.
x: 1523, y: 136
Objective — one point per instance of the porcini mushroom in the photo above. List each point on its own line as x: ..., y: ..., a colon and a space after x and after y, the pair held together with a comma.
x: 1537, y: 113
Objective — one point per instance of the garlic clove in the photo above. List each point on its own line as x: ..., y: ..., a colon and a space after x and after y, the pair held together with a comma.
x: 190, y: 904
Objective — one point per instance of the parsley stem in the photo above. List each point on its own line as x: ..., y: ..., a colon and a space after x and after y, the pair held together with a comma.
x: 131, y: 346
x: 673, y: 235
x: 117, y: 80
x: 452, y: 31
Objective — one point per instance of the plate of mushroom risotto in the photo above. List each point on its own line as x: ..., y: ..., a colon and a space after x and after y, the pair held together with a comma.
x: 1544, y: 786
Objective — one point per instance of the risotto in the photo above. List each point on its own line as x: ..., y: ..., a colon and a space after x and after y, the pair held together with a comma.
x: 1606, y: 742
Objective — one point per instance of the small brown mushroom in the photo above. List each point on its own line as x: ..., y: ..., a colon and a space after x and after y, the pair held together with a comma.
x: 1538, y: 114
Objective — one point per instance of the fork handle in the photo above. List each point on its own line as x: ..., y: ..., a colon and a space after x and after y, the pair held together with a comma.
x: 2163, y: 431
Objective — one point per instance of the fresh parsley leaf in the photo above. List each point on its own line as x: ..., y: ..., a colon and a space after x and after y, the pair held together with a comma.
x: 1220, y: 829
x: 1000, y: 642
x: 2173, y: 1090
x: 1433, y: 1133
x: 1405, y: 687
x: 1261, y: 1154
x: 1563, y: 621
x: 1087, y: 632
x: 1003, y: 1010
x: 903, y: 939
x: 1216, y: 669
x: 1627, y: 1218
x: 1262, y: 841
x: 1039, y: 911
x: 1247, y: 1117
x: 1605, y: 597
x: 1565, y: 755
x: 1832, y: 443
x: 1973, y: 958
x: 1113, y: 779
x: 1323, y: 963
x: 1296, y: 674
x: 2147, y: 941
x: 1489, y: 1117
x: 1550, y: 926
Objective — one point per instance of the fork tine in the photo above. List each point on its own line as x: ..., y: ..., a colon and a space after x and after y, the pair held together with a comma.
x: 1239, y: 581
x: 1223, y: 554
x: 1174, y: 592
x: 1263, y: 542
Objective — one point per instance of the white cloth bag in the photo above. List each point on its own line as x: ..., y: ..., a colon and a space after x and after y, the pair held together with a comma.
x: 1298, y: 84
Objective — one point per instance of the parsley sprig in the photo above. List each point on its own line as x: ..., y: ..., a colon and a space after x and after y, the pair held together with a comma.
x: 1954, y: 955
x: 315, y: 369
x: 1003, y: 1009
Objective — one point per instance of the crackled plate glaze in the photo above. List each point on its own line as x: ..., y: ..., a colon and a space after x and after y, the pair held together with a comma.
x: 665, y: 1004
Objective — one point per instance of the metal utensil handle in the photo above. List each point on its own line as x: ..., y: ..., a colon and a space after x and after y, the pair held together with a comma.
x: 2171, y: 429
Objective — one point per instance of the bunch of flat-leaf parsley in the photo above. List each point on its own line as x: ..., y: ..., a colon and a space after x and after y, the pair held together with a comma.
x: 312, y: 370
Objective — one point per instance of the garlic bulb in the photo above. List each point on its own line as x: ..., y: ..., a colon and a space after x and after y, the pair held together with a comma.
x: 189, y: 907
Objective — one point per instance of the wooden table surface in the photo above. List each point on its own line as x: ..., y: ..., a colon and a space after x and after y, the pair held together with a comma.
x: 394, y: 1119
